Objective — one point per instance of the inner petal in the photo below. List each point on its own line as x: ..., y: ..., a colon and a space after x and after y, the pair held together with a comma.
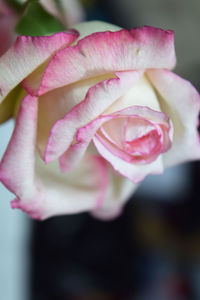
x: 144, y: 145
x: 132, y: 138
x: 113, y: 130
x: 136, y: 128
x: 142, y: 94
x: 142, y: 138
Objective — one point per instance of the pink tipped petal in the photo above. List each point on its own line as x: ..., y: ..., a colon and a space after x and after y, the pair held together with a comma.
x: 98, y: 98
x: 17, y: 165
x: 105, y: 52
x: 180, y: 100
x: 72, y: 156
x: 134, y: 172
x: 80, y: 190
x: 83, y: 189
x: 26, y: 55
x: 144, y: 112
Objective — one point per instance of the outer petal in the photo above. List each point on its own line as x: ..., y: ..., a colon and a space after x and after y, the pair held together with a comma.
x: 26, y: 55
x: 17, y: 165
x: 83, y: 189
x: 105, y: 52
x: 180, y: 100
x: 96, y: 101
x: 90, y: 187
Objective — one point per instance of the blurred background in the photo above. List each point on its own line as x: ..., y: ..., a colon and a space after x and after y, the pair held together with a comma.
x: 152, y: 251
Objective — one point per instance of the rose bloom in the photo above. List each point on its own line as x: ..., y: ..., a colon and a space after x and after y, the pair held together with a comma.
x: 97, y: 109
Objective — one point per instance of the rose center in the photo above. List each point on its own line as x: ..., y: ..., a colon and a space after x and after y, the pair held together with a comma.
x: 134, y: 138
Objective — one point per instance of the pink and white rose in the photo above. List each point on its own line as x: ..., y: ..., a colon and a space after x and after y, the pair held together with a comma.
x: 90, y: 104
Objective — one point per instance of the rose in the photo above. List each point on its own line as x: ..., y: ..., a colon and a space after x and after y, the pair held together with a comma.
x: 107, y: 100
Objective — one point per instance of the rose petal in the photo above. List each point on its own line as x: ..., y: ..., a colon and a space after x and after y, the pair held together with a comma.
x: 56, y: 193
x: 105, y: 52
x: 17, y: 165
x: 141, y: 94
x: 98, y: 98
x: 180, y: 100
x: 26, y: 55
x: 72, y: 157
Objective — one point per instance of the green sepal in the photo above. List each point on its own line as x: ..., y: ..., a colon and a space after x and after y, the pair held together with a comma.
x: 37, y: 22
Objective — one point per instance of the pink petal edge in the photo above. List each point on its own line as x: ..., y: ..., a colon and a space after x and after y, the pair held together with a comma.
x: 26, y: 55
x: 181, y: 101
x: 105, y: 52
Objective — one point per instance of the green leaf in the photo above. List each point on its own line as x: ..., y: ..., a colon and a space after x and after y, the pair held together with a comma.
x: 36, y: 21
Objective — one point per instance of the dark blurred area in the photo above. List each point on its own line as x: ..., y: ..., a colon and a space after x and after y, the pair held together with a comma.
x: 152, y: 251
